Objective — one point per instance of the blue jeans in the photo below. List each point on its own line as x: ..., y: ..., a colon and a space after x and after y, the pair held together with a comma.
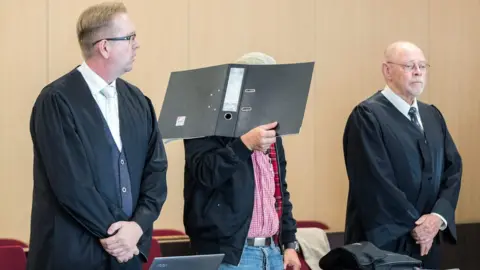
x: 258, y: 258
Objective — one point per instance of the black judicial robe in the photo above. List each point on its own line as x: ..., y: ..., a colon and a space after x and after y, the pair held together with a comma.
x: 75, y: 199
x: 397, y: 173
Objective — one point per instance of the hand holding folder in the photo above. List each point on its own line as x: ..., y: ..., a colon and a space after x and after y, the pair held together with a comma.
x: 260, y: 138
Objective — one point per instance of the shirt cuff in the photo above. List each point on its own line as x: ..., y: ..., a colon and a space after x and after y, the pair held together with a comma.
x: 444, y: 222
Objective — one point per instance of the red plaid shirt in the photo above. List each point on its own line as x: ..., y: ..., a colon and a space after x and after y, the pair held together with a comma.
x: 278, y: 190
x: 267, y: 209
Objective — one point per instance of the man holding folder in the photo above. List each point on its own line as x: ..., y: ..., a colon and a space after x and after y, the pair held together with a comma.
x: 236, y: 198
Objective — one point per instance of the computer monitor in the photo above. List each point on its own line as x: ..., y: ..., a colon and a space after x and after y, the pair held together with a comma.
x: 194, y: 262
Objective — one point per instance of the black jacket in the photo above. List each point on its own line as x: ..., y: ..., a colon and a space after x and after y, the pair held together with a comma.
x: 74, y: 195
x: 366, y: 256
x: 219, y: 194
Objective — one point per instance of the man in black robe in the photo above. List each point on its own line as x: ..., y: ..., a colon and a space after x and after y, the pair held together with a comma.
x: 403, y: 167
x: 99, y: 162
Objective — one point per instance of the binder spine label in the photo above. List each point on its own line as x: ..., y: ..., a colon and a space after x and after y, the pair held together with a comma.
x: 234, y: 88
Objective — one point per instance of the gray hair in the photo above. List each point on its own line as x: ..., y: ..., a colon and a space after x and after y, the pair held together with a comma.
x: 256, y: 58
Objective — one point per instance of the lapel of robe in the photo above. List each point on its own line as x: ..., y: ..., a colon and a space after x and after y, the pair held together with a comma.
x: 131, y: 127
x: 126, y: 120
x: 399, y: 116
x: 427, y: 187
x: 423, y: 199
x: 92, y: 118
x: 91, y: 128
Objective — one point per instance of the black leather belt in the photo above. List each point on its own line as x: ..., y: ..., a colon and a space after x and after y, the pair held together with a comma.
x: 259, y: 241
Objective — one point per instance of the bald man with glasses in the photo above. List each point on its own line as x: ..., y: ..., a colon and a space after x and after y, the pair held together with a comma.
x: 403, y: 167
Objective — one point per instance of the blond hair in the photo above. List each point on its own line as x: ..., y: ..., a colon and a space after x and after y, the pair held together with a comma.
x: 95, y: 20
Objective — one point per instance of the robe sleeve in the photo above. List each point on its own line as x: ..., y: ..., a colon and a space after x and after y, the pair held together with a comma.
x: 385, y: 212
x: 63, y: 156
x: 153, y: 189
x: 450, y: 181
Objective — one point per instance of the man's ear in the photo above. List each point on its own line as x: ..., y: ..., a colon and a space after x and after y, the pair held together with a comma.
x: 104, y: 48
x: 386, y: 70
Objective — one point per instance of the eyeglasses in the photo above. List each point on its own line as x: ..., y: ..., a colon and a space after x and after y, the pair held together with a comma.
x: 130, y: 38
x: 411, y: 66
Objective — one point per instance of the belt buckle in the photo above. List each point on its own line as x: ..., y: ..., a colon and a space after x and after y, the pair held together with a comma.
x: 258, y: 241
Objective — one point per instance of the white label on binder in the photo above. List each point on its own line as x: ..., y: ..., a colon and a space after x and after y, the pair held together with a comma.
x: 234, y: 88
x: 180, y: 121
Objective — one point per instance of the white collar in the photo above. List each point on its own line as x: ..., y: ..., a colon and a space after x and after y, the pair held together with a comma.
x: 94, y: 81
x: 398, y: 102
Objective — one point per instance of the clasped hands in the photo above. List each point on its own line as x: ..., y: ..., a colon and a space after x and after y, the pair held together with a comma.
x: 427, y: 227
x: 122, y: 244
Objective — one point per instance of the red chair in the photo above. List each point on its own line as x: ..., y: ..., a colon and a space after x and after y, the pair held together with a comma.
x: 154, y: 252
x: 312, y: 224
x: 13, y: 258
x: 167, y: 232
x: 12, y: 242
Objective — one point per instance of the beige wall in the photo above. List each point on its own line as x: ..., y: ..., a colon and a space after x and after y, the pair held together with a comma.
x: 345, y: 38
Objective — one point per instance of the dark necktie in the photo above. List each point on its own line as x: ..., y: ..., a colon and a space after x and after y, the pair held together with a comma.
x: 413, y: 117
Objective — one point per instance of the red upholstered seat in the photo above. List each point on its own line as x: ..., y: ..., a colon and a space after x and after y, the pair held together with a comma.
x: 12, y: 242
x: 12, y: 258
x: 167, y: 232
x: 154, y: 252
x: 312, y: 224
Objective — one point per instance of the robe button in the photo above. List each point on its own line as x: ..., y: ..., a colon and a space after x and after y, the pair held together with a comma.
x: 124, y: 189
x: 122, y: 161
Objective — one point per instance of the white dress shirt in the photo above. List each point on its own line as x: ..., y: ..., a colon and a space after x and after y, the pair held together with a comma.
x: 404, y: 107
x: 106, y: 97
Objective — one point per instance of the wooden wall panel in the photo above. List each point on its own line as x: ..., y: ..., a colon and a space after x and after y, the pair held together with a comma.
x: 350, y: 39
x: 63, y: 50
x: 23, y: 51
x: 455, y: 60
